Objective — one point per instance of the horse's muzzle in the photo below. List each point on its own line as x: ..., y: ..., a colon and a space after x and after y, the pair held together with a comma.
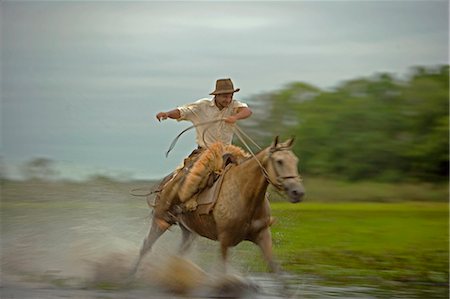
x: 295, y: 191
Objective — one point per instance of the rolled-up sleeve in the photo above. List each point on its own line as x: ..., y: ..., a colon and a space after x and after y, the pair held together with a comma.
x: 192, y: 110
x: 186, y: 111
x: 238, y: 104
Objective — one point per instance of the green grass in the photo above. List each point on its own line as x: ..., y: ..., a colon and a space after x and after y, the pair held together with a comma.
x: 398, y: 244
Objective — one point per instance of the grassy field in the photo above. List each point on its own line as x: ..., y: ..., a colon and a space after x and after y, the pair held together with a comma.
x: 403, y: 246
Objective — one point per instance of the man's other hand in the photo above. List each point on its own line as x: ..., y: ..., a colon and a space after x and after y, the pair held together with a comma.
x: 231, y: 119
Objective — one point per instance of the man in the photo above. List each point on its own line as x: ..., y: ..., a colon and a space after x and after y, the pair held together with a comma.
x: 209, y: 111
x: 222, y: 106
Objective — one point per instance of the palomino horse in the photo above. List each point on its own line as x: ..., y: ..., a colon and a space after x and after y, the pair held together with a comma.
x: 242, y: 211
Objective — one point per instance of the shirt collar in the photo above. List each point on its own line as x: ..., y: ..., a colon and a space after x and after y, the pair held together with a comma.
x: 213, y: 103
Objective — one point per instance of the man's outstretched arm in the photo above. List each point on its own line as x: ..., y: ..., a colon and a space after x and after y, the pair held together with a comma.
x: 173, y: 114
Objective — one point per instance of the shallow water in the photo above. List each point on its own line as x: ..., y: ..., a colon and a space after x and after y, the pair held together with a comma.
x: 79, y: 241
x: 267, y: 288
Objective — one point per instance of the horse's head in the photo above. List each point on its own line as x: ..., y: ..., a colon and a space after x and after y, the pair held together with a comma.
x: 282, y: 170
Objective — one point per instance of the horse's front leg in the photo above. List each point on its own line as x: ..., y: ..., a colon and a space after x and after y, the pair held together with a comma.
x: 264, y: 241
x: 224, y: 245
x: 224, y: 252
x: 156, y: 230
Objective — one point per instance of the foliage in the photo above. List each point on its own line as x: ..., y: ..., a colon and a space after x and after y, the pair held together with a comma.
x: 378, y: 128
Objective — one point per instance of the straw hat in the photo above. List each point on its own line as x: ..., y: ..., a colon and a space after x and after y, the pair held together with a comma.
x: 224, y: 86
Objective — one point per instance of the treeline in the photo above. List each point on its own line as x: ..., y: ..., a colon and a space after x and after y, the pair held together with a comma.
x: 378, y: 128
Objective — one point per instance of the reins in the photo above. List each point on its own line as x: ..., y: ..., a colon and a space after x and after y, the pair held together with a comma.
x: 240, y: 134
x: 238, y: 131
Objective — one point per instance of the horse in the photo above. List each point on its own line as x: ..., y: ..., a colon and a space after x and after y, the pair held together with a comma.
x: 242, y: 210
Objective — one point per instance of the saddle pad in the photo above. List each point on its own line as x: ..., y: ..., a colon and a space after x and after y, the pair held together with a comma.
x: 208, y: 197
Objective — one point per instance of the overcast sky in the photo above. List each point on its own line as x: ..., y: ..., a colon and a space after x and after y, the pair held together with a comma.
x: 82, y: 81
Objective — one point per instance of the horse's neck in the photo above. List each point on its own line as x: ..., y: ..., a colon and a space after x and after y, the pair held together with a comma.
x: 254, y: 183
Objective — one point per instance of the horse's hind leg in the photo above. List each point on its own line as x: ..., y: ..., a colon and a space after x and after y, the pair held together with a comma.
x: 187, y: 238
x: 155, y: 232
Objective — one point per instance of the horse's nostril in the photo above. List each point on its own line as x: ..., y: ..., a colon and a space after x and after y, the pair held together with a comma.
x: 298, y: 193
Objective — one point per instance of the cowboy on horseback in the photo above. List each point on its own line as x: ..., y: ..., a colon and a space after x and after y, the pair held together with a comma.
x: 221, y: 106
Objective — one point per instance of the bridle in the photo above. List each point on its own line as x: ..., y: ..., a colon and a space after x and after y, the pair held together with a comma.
x: 279, y: 178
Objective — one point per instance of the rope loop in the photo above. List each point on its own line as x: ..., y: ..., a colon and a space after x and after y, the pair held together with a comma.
x: 172, y: 145
x: 133, y: 192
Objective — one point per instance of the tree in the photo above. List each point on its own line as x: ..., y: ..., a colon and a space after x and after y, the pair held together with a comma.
x: 376, y: 128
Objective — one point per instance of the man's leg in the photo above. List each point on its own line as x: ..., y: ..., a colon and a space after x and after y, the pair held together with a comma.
x: 168, y: 192
x: 165, y: 200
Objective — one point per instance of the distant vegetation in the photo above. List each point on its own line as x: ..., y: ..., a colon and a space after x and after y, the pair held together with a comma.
x: 378, y: 128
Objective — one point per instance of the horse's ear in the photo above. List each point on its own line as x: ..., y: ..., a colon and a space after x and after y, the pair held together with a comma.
x: 275, y: 142
x: 290, y: 142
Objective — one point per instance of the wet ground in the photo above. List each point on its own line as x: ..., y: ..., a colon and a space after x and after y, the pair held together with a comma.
x: 29, y: 292
x: 79, y: 241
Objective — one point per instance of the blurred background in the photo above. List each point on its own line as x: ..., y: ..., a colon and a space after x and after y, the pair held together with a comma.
x: 83, y: 81
x: 362, y: 85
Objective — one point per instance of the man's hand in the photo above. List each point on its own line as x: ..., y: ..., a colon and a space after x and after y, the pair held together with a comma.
x: 162, y: 116
x: 242, y: 113
x: 231, y: 119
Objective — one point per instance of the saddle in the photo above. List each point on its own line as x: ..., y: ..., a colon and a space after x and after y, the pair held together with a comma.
x: 203, y: 179
x: 197, y: 184
x: 207, y: 199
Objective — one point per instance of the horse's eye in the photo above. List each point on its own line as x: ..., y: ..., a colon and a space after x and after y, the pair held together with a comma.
x: 280, y: 162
